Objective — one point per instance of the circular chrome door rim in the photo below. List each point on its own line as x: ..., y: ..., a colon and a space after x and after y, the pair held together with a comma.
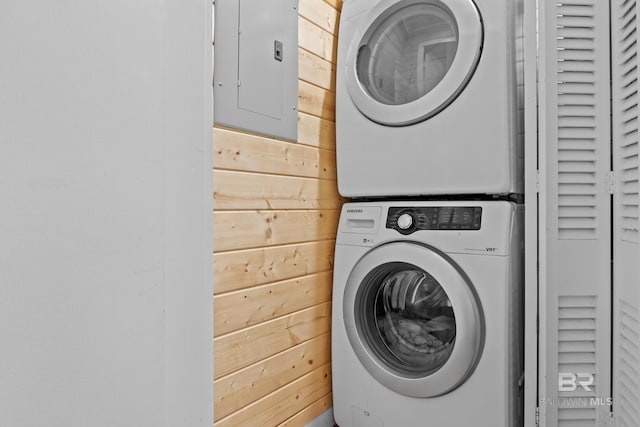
x: 468, y: 316
x: 470, y: 37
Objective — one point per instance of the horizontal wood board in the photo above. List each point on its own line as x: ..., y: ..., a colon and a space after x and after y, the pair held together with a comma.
x: 276, y: 211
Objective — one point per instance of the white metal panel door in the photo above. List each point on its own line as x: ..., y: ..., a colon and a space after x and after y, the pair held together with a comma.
x: 260, y: 25
x: 626, y: 325
x: 575, y: 218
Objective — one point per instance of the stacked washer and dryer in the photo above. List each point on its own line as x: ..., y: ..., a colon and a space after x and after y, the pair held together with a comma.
x: 427, y: 297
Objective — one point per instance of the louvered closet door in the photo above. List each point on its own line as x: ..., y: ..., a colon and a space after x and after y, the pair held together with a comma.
x: 575, y: 218
x: 626, y: 350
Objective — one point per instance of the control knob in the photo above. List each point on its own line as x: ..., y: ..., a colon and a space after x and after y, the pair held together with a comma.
x: 405, y: 221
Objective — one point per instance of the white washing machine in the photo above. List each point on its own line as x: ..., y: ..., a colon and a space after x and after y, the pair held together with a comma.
x: 427, y: 307
x: 429, y: 97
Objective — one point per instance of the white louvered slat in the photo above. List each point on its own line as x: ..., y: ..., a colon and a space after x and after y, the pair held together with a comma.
x: 626, y: 147
x: 577, y: 347
x: 628, y: 350
x: 577, y: 129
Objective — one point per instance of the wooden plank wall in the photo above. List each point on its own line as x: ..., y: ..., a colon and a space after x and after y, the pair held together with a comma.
x: 276, y: 210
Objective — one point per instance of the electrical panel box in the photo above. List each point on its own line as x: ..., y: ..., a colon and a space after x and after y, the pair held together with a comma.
x: 256, y: 66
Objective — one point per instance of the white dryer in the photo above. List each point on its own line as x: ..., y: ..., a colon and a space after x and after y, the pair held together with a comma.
x: 427, y: 307
x: 427, y: 97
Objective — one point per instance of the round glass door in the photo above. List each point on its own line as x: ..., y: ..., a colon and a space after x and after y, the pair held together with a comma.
x: 413, y: 58
x: 413, y: 319
x: 408, y: 54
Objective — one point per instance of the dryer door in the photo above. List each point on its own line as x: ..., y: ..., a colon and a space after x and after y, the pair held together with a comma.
x: 411, y: 58
x: 413, y: 319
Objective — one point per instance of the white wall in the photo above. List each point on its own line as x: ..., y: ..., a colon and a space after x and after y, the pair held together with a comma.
x: 105, y: 213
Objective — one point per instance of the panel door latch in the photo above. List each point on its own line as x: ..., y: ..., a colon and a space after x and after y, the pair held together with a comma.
x: 277, y: 50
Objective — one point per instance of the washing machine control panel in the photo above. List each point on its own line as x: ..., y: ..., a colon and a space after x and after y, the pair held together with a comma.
x: 407, y: 220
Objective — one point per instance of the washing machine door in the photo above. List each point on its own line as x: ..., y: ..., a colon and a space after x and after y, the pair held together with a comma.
x: 411, y: 58
x: 413, y: 319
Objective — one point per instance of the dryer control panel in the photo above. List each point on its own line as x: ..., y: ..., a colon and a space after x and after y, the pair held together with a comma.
x: 407, y: 220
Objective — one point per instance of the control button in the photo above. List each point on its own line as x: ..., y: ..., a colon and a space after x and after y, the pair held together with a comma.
x: 405, y: 221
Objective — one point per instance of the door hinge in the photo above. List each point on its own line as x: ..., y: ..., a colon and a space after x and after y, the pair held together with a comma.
x: 612, y: 183
x: 537, y: 416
